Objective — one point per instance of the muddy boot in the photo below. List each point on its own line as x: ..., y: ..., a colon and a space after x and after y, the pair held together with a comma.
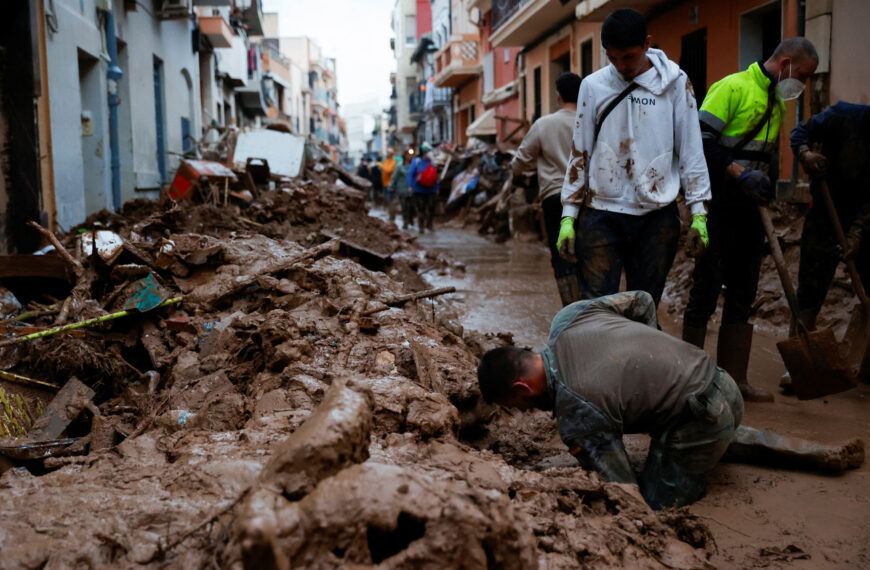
x: 695, y: 335
x: 569, y: 289
x: 766, y: 447
x: 785, y: 384
x: 732, y: 354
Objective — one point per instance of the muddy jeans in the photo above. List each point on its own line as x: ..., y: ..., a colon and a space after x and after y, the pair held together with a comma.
x: 425, y: 206
x: 552, y: 209
x: 644, y: 245
x: 733, y: 259
x: 683, y: 455
x: 820, y: 255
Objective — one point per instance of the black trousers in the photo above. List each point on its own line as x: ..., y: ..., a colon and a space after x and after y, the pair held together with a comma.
x: 820, y: 254
x: 552, y: 210
x: 733, y: 259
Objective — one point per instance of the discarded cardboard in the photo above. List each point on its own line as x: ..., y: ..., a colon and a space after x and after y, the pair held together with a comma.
x: 284, y: 153
x: 108, y: 245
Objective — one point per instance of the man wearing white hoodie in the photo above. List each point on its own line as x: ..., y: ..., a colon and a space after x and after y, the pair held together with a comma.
x: 637, y: 141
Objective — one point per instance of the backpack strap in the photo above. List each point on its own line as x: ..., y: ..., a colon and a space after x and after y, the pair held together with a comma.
x: 631, y: 87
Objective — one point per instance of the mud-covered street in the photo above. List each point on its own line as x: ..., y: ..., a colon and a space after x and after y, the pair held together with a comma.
x: 755, y: 513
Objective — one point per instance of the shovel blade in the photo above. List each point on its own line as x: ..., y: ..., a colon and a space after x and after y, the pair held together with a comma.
x: 817, y: 369
x: 147, y: 294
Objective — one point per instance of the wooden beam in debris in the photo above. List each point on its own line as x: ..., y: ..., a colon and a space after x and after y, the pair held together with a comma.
x: 367, y: 257
x: 44, y: 266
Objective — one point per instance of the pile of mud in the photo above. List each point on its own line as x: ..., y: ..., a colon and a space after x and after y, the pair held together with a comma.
x: 771, y: 312
x: 297, y: 410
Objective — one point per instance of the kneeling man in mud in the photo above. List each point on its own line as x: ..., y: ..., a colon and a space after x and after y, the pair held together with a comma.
x: 608, y: 370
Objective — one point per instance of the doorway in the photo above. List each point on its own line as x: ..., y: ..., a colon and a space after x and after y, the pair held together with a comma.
x: 760, y: 33
x: 693, y: 60
x: 20, y: 183
x: 93, y: 133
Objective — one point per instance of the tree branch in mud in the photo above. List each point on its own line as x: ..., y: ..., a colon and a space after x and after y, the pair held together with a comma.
x: 402, y: 299
x: 81, y: 290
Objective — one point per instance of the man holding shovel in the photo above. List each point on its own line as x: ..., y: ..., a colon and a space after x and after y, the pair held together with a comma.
x: 740, y: 122
x: 833, y: 146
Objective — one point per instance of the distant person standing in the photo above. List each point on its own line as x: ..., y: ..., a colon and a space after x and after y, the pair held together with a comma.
x: 398, y: 193
x: 423, y: 181
x: 363, y: 169
x: 636, y: 143
x: 376, y: 177
x: 388, y: 166
x: 547, y: 147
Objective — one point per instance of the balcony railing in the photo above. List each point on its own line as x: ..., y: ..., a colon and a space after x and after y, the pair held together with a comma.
x: 458, y: 61
x: 502, y: 10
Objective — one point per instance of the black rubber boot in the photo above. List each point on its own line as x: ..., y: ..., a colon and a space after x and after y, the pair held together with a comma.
x: 732, y: 354
x: 569, y: 289
x: 695, y: 335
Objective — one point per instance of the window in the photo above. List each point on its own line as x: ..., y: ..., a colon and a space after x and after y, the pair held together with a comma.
x: 537, y: 94
x: 472, y: 113
x: 410, y: 30
x: 586, y: 58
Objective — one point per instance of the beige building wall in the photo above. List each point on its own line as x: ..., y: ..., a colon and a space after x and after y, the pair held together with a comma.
x: 850, y: 52
x: 405, y: 29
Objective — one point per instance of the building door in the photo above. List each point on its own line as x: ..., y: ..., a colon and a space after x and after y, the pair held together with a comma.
x: 20, y: 183
x: 159, y: 119
x: 693, y: 60
x: 95, y: 179
x: 760, y: 32
x: 537, y: 94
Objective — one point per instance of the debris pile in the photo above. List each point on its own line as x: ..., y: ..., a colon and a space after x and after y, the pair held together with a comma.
x: 480, y: 190
x: 308, y: 402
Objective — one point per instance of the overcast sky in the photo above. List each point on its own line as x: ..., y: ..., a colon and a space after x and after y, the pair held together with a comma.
x: 355, y: 32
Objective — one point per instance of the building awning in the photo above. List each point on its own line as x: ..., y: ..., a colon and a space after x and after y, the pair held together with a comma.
x: 501, y: 94
x: 251, y: 99
x: 484, y: 126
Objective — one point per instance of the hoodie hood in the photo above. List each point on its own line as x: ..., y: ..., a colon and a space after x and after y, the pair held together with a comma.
x: 666, y: 72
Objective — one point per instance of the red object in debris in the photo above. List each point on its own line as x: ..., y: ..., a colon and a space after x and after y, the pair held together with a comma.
x: 189, y: 173
x: 180, y: 324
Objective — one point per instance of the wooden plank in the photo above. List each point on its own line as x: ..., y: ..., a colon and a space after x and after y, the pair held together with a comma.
x: 25, y: 265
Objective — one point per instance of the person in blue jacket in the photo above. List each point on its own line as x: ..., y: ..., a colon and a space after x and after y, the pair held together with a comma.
x: 424, y: 195
x: 833, y: 145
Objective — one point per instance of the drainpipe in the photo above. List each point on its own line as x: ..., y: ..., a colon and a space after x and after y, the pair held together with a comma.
x: 799, y: 108
x: 113, y: 75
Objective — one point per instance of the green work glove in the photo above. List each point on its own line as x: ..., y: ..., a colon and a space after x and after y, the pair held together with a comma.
x: 565, y: 241
x: 698, y: 239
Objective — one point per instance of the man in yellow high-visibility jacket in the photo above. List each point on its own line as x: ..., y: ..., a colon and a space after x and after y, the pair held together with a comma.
x: 740, y: 123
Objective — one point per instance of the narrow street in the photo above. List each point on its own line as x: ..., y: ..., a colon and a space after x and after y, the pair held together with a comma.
x: 508, y: 287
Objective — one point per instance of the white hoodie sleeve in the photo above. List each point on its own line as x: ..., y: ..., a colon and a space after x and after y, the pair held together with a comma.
x: 576, y: 183
x: 687, y: 144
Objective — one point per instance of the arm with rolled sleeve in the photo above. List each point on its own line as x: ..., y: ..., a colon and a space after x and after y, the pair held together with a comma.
x: 690, y: 150
x: 526, y: 157
x: 576, y: 183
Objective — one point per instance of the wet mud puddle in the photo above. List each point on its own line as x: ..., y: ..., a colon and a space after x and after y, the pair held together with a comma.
x: 506, y: 287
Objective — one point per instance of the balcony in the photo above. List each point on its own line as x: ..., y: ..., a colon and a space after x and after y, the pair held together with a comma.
x: 483, y: 5
x: 233, y: 61
x: 458, y: 61
x: 597, y: 10
x: 217, y: 30
x: 518, y: 23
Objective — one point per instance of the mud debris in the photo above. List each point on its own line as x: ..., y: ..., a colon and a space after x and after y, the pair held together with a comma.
x: 296, y: 409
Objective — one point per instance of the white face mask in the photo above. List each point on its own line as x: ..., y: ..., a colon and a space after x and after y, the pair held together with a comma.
x: 788, y: 88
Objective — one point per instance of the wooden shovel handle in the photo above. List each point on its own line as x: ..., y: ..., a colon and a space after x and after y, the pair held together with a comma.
x: 781, y: 267
x: 857, y: 284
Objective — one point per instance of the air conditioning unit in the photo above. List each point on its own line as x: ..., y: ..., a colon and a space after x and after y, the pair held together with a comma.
x: 170, y: 9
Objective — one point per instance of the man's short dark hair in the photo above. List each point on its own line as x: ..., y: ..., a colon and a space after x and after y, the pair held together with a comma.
x: 796, y: 48
x: 568, y: 87
x: 499, y: 369
x: 624, y: 28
